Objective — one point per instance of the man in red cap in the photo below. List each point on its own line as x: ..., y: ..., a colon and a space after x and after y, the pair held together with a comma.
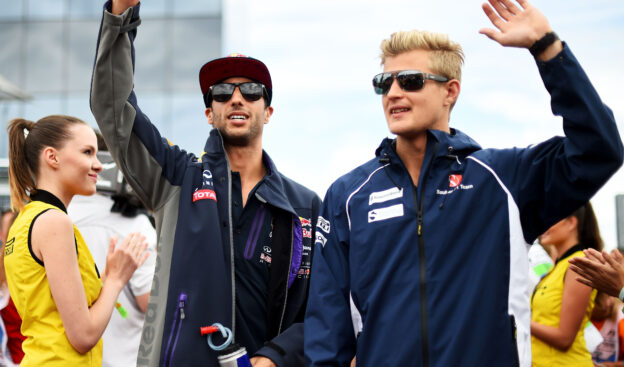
x: 235, y: 235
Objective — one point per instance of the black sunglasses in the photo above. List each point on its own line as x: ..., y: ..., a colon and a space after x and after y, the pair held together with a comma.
x: 409, y: 80
x: 222, y: 92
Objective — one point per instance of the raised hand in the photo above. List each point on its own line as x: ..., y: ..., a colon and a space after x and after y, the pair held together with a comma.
x: 518, y: 26
x: 119, y: 6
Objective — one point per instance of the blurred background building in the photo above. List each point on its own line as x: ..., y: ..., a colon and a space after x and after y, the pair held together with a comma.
x: 48, y: 48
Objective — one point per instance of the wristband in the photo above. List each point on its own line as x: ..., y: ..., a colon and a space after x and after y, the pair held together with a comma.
x: 621, y: 296
x: 542, y: 44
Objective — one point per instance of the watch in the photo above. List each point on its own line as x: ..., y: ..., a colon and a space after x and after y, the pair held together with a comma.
x: 542, y: 44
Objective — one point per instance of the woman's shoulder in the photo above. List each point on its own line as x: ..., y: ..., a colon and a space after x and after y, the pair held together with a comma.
x: 52, y: 227
x: 53, y: 220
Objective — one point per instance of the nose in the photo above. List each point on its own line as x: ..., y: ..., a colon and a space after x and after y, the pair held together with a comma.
x: 395, y: 90
x: 237, y: 96
x: 97, y: 165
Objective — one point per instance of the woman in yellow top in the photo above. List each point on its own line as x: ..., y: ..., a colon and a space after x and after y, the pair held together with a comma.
x: 560, y: 305
x: 53, y: 280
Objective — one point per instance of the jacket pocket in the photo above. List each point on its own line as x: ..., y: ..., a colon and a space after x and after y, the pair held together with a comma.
x: 178, y: 318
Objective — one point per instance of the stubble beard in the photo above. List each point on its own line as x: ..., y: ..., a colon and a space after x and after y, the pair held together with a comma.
x: 238, y: 139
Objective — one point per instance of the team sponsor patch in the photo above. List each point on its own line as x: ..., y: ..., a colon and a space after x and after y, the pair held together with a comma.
x: 307, y: 233
x: 451, y: 190
x: 454, y: 180
x: 305, y: 222
x: 265, y: 258
x: 378, y: 214
x: 207, y: 178
x: 8, y: 248
x: 204, y: 194
x: 320, y: 239
x: 323, y: 224
x: 385, y: 195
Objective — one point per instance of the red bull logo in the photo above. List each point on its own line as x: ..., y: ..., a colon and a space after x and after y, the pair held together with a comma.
x: 305, y: 222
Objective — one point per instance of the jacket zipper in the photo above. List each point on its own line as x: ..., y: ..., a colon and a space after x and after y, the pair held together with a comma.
x: 423, y: 261
x: 175, y: 330
x: 232, y: 273
x: 292, y: 236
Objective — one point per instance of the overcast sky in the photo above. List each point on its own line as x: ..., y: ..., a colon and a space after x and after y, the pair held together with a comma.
x: 322, y: 55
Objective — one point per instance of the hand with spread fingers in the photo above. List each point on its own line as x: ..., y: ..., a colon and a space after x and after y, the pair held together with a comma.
x: 518, y: 26
x: 600, y: 270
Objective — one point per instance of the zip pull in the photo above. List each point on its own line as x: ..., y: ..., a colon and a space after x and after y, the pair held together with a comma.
x: 385, y: 159
x: 181, y: 304
x: 420, y: 223
x: 450, y: 155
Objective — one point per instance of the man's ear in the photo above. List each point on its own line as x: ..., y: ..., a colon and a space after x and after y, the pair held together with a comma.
x: 50, y: 157
x: 268, y: 112
x: 452, y: 88
x: 209, y: 115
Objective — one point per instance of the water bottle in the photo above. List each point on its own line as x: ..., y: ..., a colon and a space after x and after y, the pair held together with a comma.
x: 234, y: 356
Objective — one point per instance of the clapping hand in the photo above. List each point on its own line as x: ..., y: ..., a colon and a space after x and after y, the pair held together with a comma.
x: 600, y: 270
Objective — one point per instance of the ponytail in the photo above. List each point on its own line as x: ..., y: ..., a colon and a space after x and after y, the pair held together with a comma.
x: 26, y: 141
x: 21, y: 171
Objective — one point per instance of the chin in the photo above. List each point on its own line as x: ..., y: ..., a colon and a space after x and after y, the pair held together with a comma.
x: 237, y: 139
x: 407, y: 133
x: 88, y: 191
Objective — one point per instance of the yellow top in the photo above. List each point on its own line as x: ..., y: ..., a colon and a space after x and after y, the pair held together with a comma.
x: 46, y: 343
x: 546, y: 309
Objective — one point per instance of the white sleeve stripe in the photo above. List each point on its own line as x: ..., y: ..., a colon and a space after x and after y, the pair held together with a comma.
x: 358, y: 189
x: 493, y: 174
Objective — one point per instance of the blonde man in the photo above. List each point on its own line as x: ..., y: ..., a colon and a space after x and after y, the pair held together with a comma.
x: 428, y: 241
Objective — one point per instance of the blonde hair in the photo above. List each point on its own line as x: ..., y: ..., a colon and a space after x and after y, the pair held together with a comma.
x: 27, y: 140
x: 446, y: 58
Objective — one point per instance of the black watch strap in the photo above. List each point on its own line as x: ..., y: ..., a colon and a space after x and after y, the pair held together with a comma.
x: 542, y: 44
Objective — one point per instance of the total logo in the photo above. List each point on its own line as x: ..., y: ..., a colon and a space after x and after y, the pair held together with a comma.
x: 204, y: 194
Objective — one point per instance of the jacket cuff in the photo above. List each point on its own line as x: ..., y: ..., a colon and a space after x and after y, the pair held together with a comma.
x: 273, y: 352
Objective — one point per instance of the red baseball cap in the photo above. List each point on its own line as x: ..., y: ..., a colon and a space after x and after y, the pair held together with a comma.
x: 234, y: 65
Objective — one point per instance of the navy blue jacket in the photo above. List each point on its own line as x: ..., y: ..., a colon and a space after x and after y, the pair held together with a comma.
x: 194, y: 280
x: 438, y: 273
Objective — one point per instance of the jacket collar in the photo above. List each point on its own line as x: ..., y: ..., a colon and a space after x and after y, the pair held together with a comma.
x: 271, y: 191
x: 456, y: 143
